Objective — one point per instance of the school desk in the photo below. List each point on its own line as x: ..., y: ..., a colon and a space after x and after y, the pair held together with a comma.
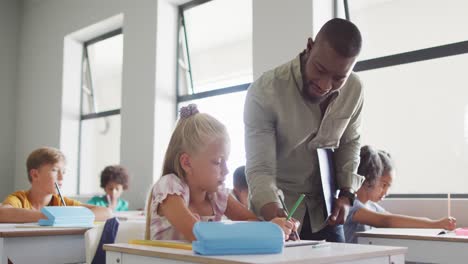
x: 335, y: 253
x: 41, y: 244
x: 424, y: 245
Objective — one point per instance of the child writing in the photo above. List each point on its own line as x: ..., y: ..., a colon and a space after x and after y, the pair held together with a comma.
x: 191, y: 187
x: 114, y: 180
x: 45, y: 166
x: 378, y: 169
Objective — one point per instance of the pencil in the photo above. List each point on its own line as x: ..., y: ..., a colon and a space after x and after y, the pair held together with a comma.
x: 298, y: 202
x: 286, y: 210
x: 60, y: 194
x: 320, y: 245
x: 162, y: 243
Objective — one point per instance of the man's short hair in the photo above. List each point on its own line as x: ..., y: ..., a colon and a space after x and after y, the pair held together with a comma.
x: 114, y: 173
x: 43, y: 156
x: 343, y: 36
x: 239, y: 179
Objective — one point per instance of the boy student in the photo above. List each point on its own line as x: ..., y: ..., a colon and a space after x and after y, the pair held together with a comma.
x: 46, y: 166
x: 114, y: 180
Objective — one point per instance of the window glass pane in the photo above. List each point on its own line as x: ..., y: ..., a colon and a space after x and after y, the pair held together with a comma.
x: 229, y: 109
x: 99, y: 147
x: 419, y: 113
x: 219, y: 37
x: 395, y: 26
x: 105, y: 69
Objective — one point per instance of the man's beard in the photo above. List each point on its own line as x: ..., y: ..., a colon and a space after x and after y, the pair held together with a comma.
x: 311, y: 98
x: 305, y: 92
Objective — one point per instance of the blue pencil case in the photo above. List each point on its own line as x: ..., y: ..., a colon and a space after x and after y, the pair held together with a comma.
x: 67, y: 216
x: 232, y: 238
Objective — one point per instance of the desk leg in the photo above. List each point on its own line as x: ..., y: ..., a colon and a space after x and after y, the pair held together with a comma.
x: 3, y: 257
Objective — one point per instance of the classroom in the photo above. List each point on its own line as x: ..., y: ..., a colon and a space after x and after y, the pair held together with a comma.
x: 155, y: 117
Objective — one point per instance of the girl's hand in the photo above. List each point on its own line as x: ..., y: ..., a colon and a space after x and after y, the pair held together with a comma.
x: 287, y: 226
x: 448, y: 223
x: 294, y: 235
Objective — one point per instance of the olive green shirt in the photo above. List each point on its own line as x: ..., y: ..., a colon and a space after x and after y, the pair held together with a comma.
x: 283, y: 131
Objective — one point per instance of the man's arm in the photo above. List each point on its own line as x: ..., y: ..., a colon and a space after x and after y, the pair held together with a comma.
x: 347, y: 162
x: 260, y: 147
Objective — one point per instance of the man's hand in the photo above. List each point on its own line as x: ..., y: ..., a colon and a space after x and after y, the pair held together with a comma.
x: 272, y: 210
x: 340, y: 211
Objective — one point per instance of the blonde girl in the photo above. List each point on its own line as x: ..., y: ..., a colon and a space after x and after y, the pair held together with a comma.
x: 191, y: 186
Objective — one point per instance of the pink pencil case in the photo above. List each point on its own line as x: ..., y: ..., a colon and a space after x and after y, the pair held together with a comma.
x: 461, y: 231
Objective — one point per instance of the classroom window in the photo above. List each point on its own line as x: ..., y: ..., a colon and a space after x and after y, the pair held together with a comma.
x: 416, y: 99
x: 215, y: 64
x: 421, y: 121
x: 99, y: 143
x: 394, y: 26
x: 215, y: 45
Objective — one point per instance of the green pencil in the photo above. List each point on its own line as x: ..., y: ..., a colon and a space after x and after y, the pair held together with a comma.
x: 286, y: 210
x: 298, y: 202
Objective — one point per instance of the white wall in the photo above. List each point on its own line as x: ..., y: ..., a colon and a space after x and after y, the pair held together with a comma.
x: 165, y: 107
x: 9, y: 33
x: 45, y: 24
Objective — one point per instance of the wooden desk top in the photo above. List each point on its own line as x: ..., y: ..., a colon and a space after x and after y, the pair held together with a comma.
x: 12, y: 230
x: 413, y: 234
x: 335, y: 253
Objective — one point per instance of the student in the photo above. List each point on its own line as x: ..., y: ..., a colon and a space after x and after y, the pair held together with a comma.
x: 45, y: 167
x: 241, y: 189
x: 191, y: 187
x: 378, y: 169
x: 114, y: 180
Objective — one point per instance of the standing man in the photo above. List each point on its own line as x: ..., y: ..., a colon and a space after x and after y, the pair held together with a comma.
x: 313, y: 101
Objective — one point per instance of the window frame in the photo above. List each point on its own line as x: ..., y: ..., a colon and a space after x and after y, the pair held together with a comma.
x: 200, y: 95
x: 96, y: 115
